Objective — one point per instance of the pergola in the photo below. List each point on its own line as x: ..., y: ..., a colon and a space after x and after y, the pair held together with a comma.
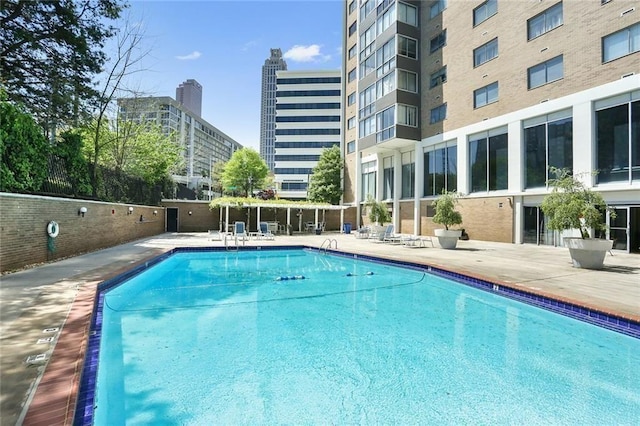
x: 287, y: 206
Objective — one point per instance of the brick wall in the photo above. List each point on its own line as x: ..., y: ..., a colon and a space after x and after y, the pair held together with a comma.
x: 23, y: 227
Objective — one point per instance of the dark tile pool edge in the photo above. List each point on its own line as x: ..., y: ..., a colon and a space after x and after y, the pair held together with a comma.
x: 86, y: 395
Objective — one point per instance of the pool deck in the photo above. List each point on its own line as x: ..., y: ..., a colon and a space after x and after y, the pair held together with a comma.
x: 45, y: 310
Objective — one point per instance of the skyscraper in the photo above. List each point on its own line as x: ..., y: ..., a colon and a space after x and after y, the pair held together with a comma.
x: 189, y: 94
x: 268, y: 108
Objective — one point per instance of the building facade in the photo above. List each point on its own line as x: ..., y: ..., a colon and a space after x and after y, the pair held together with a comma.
x: 272, y: 65
x: 189, y: 94
x: 482, y: 98
x: 202, y: 143
x: 307, y: 121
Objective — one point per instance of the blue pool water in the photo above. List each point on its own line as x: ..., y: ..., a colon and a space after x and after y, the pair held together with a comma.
x: 222, y: 338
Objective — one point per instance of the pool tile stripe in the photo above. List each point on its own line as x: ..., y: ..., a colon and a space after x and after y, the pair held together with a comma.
x: 86, y: 395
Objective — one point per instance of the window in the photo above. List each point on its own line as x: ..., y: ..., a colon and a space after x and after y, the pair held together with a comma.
x: 366, y: 7
x: 438, y: 114
x: 353, y: 28
x: 351, y: 99
x: 352, y: 6
x: 367, y: 99
x: 352, y: 75
x: 485, y: 11
x: 440, y: 169
x: 386, y: 58
x: 408, y: 81
x: 485, y: 95
x: 407, y: 47
x: 547, y: 144
x: 438, y: 41
x: 488, y: 156
x: 408, y: 174
x: 387, y: 178
x: 407, y: 14
x: 385, y: 124
x: 408, y: 115
x: 307, y: 118
x: 353, y: 50
x: 621, y: 43
x: 618, y: 142
x: 485, y: 53
x: 545, y: 72
x: 544, y: 22
x: 351, y: 123
x: 367, y: 42
x: 387, y: 18
x: 437, y: 8
x: 438, y: 77
x: 351, y: 147
x: 368, y: 126
x: 368, y: 180
x: 386, y: 85
x: 367, y: 66
x: 307, y: 131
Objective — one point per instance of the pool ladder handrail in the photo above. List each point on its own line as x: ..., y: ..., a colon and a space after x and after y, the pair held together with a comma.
x: 330, y: 241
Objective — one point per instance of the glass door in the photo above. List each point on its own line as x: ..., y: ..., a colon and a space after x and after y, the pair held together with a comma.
x: 535, y: 231
x: 618, y: 231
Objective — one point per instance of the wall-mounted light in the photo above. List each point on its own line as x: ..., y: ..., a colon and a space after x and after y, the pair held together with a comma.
x: 155, y: 212
x: 82, y: 211
x: 130, y: 210
x: 190, y: 212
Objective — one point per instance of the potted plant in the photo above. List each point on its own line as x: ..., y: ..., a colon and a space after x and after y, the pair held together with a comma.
x: 379, y: 214
x: 447, y: 215
x: 572, y: 206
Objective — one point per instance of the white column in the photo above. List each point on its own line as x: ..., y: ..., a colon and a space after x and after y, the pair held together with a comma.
x: 258, y: 218
x: 583, y: 141
x: 419, y: 187
x: 514, y: 146
x: 463, y: 164
x: 226, y: 221
x: 397, y: 189
x: 316, y: 223
x: 342, y: 220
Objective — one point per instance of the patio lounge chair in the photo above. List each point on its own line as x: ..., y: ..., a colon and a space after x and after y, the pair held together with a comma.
x: 362, y: 232
x: 388, y: 231
x: 239, y: 231
x: 264, y: 231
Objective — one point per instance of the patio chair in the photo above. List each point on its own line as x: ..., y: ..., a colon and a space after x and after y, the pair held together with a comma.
x: 388, y: 231
x: 264, y: 231
x: 391, y: 237
x: 239, y: 231
x: 362, y: 232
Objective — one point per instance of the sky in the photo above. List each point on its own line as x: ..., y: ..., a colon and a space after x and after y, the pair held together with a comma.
x: 223, y: 45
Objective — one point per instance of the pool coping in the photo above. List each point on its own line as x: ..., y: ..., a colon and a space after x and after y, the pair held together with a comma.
x: 79, y: 405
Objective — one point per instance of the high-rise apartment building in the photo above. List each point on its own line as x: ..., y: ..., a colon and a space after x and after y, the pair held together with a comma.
x: 268, y: 105
x: 189, y: 94
x: 307, y: 121
x: 203, y: 144
x: 483, y: 97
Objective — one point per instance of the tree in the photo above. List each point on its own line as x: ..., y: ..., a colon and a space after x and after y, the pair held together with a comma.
x: 69, y: 149
x: 378, y: 212
x: 51, y: 50
x: 325, y: 183
x: 445, y: 207
x: 25, y: 150
x: 245, y: 171
x: 216, y: 176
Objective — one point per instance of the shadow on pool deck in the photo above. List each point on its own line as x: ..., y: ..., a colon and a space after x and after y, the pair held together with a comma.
x: 42, y: 298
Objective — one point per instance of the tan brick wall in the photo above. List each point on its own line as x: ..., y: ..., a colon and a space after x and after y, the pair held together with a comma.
x: 406, y: 217
x: 578, y: 40
x: 23, y: 230
x: 485, y: 219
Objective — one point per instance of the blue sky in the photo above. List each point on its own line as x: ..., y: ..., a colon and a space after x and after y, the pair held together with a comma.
x: 223, y: 45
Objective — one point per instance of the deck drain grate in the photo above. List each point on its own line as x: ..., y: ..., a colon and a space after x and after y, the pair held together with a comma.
x: 36, y: 359
x: 46, y: 340
x: 51, y: 330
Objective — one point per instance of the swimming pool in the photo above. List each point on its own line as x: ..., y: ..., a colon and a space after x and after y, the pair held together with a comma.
x: 216, y: 337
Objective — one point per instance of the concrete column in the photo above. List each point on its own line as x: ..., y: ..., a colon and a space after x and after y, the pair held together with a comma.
x: 419, y: 187
x: 397, y: 188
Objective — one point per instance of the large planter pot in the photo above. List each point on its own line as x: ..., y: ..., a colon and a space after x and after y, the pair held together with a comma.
x: 588, y: 253
x: 448, y: 239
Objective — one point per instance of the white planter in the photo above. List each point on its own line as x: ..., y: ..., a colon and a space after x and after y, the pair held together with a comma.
x: 588, y: 253
x: 448, y: 239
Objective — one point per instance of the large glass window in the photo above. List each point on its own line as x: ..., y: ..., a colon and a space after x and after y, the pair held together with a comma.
x: 438, y: 113
x: 385, y: 124
x: 489, y: 162
x: 438, y: 41
x: 618, y: 143
x: 387, y: 178
x: 386, y: 85
x: 545, y: 72
x: 367, y: 101
x: 407, y: 47
x: 407, y: 14
x: 485, y: 11
x: 545, y: 21
x: 440, y: 169
x: 408, y: 115
x: 548, y: 144
x: 485, y: 95
x: 387, y: 18
x: 437, y: 8
x: 408, y: 81
x: 408, y: 174
x: 485, y: 53
x: 351, y: 147
x: 621, y: 43
x: 368, y: 126
x: 386, y: 58
x: 438, y: 77
x: 368, y: 180
x: 366, y: 7
x: 367, y: 42
x: 367, y: 66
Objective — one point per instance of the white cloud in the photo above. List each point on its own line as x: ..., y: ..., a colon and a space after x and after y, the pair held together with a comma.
x: 299, y: 53
x: 191, y: 56
x: 250, y: 44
